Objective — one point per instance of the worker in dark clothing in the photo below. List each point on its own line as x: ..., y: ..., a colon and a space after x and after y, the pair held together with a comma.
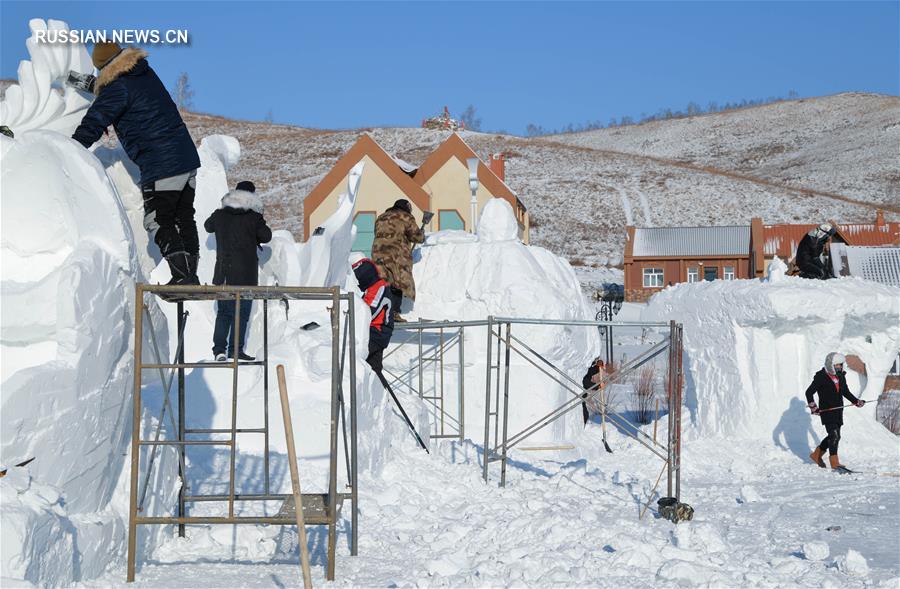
x: 830, y: 384
x: 240, y: 228
x: 132, y: 99
x: 595, y: 374
x: 810, y: 258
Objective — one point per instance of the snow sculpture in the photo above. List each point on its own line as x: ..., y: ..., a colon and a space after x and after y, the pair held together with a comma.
x: 497, y: 222
x: 776, y: 270
x: 324, y: 258
x: 461, y: 279
x: 752, y: 348
x: 41, y: 100
x: 68, y: 286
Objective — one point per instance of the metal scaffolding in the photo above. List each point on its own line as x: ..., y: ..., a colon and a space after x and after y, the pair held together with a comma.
x: 435, y: 343
x: 317, y: 508
x: 507, y: 343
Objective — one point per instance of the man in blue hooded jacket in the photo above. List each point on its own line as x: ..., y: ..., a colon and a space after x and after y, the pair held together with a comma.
x: 132, y: 99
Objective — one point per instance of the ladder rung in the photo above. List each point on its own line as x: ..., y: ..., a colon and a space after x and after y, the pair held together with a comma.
x: 258, y: 430
x: 202, y: 365
x: 185, y: 443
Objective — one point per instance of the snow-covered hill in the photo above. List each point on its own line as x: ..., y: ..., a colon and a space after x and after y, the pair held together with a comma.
x: 582, y: 189
x: 845, y: 144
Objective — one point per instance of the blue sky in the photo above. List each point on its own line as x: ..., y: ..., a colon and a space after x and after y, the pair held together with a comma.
x: 358, y: 64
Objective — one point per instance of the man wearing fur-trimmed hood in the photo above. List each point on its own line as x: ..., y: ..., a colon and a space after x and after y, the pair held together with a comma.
x: 239, y: 227
x: 132, y: 99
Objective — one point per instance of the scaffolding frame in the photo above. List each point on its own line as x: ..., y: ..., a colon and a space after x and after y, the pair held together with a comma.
x: 318, y: 508
x: 449, y: 334
x: 674, y: 384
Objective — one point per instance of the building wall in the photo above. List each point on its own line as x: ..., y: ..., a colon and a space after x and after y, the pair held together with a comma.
x: 377, y: 192
x: 675, y: 271
x: 449, y: 189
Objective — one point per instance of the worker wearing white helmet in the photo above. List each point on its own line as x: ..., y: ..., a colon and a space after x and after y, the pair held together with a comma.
x: 830, y: 384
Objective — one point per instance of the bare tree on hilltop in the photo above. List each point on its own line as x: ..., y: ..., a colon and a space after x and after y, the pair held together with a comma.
x: 664, y: 114
x: 471, y: 122
x: 183, y: 94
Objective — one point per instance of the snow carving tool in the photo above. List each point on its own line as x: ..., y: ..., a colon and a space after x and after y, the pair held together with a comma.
x: 388, y: 388
x: 80, y: 81
x: 427, y: 216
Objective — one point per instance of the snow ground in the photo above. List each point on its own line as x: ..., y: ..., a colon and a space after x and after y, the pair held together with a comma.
x: 562, y: 522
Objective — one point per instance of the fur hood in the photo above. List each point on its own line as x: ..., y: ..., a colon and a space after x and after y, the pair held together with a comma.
x: 241, y: 199
x: 119, y: 66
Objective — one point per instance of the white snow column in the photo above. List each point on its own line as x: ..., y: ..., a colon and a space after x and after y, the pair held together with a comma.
x: 458, y: 278
x: 69, y: 266
x: 752, y: 347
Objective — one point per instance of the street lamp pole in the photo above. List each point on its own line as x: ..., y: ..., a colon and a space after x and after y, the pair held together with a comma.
x: 473, y: 186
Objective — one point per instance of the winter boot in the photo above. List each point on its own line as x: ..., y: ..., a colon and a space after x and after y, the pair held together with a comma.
x: 193, y: 262
x: 816, y: 457
x: 397, y: 318
x: 180, y: 268
x: 836, y: 464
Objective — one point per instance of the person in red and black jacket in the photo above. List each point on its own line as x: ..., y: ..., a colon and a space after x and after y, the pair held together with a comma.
x: 376, y: 294
x: 830, y: 384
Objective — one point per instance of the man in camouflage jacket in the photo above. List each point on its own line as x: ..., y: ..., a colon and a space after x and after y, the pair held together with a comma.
x: 396, y: 233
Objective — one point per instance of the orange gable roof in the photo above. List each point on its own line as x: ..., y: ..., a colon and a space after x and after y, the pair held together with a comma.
x: 454, y: 146
x: 364, y: 146
x: 782, y: 240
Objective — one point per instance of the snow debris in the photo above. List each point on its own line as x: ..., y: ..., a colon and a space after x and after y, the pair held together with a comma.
x: 815, y: 550
x: 853, y: 563
x: 749, y: 495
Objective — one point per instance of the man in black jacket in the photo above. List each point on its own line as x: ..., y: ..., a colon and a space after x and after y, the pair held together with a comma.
x: 830, y: 384
x: 240, y: 228
x: 809, y: 252
x: 132, y: 99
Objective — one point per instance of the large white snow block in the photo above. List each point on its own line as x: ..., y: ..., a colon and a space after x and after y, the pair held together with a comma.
x: 752, y: 348
x: 502, y: 277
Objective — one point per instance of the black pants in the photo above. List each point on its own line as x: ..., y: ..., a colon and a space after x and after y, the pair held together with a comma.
x: 831, y: 440
x: 375, y: 359
x: 169, y: 215
x: 584, y: 409
x: 224, y: 330
x: 815, y: 270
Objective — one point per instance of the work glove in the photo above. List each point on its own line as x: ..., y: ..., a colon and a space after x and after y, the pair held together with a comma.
x: 814, y: 408
x: 860, y: 403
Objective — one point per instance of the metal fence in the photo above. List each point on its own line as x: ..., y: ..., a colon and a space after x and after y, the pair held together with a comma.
x: 431, y: 349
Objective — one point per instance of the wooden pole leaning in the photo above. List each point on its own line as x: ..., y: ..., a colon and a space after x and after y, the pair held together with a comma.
x: 295, y: 478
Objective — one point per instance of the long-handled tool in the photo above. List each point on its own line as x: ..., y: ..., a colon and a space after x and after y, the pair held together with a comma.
x: 841, y: 407
x: 295, y: 477
x: 388, y: 388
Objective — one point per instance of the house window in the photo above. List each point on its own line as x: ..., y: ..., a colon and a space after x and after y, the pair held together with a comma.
x: 365, y: 232
x: 710, y: 272
x: 450, y: 220
x: 653, y: 277
x: 693, y: 275
x: 728, y: 273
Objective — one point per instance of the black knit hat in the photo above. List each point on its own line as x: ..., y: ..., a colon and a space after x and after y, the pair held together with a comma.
x: 403, y: 205
x: 245, y: 185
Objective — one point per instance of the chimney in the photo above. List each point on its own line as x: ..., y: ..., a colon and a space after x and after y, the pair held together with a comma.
x: 879, y: 218
x: 498, y: 166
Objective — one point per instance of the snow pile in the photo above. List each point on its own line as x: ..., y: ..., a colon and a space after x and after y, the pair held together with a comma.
x: 497, y: 275
x: 752, y: 348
